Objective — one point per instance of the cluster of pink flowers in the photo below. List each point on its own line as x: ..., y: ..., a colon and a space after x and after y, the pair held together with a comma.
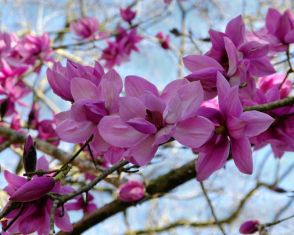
x: 85, y: 28
x: 18, y: 55
x: 133, y: 126
x: 119, y: 50
x: 130, y: 119
x: 34, y: 203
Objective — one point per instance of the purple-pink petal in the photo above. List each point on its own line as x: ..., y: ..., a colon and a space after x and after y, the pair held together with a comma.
x: 242, y: 154
x: 194, y: 132
x: 118, y: 133
x: 33, y: 190
x: 136, y: 86
x: 256, y: 122
x: 213, y: 158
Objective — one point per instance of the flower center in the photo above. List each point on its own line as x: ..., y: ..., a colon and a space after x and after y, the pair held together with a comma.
x: 220, y: 130
x: 155, y: 118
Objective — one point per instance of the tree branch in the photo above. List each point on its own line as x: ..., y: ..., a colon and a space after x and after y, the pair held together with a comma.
x: 273, y: 105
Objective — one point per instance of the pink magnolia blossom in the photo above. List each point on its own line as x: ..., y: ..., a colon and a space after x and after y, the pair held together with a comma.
x: 32, y: 47
x: 37, y: 211
x: 147, y: 119
x: 278, y: 32
x: 60, y: 77
x: 232, y: 56
x: 83, y: 203
x: 119, y: 50
x: 85, y: 28
x: 233, y: 128
x: 281, y: 133
x: 249, y: 227
x: 132, y: 191
x: 127, y: 14
x: 12, y: 91
x: 269, y: 82
x: 163, y: 40
x: 90, y: 105
x: 11, y: 62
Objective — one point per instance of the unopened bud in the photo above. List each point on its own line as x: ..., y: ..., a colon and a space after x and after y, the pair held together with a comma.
x: 249, y: 227
x: 29, y: 155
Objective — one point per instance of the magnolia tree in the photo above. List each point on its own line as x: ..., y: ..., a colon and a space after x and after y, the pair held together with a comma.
x: 86, y: 140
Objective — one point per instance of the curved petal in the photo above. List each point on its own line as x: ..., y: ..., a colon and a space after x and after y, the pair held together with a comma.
x: 171, y: 88
x: 136, y: 86
x: 111, y: 86
x: 194, y: 132
x: 153, y: 102
x: 131, y: 107
x: 143, y: 152
x: 232, y: 56
x: 214, y: 157
x: 242, y: 154
x: 117, y: 133
x: 14, y: 182
x: 42, y: 164
x: 235, y: 126
x: 164, y: 134
x: 254, y: 49
x: 113, y: 155
x: 98, y: 144
x: 142, y: 125
x: 197, y: 62
x: 272, y: 20
x: 83, y: 89
x: 236, y: 30
x: 228, y: 97
x: 62, y: 222
x: 74, y: 132
x: 256, y: 122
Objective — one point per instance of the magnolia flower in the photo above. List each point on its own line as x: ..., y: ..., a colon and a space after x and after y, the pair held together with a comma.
x: 36, y: 206
x: 233, y: 128
x: 85, y: 28
x: 127, y: 14
x: 11, y: 62
x: 232, y: 56
x: 12, y: 91
x: 119, y: 50
x: 278, y: 32
x: 131, y: 191
x: 60, y: 77
x: 249, y: 227
x: 281, y: 133
x: 147, y: 119
x: 93, y: 102
x: 32, y: 47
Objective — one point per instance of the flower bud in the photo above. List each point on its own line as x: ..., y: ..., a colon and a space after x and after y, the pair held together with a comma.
x: 3, y: 108
x: 131, y: 191
x: 127, y: 14
x: 29, y: 155
x: 249, y: 227
x: 33, y: 189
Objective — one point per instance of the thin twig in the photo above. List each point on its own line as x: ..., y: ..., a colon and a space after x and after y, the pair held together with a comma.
x: 212, y: 209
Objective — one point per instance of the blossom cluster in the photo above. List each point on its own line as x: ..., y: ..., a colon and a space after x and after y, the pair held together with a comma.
x: 207, y: 111
x: 133, y: 126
